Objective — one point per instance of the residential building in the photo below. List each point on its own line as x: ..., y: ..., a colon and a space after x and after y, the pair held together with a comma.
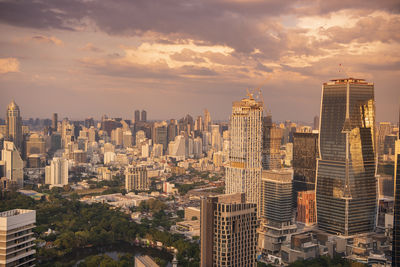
x: 57, y: 173
x: 243, y: 172
x: 136, y: 179
x: 13, y: 163
x: 17, y: 241
x: 228, y: 231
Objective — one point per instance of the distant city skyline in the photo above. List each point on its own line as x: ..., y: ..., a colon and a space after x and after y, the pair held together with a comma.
x: 171, y: 58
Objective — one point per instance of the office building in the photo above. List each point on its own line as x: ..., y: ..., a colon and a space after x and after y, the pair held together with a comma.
x: 54, y: 122
x: 305, y: 154
x: 160, y: 134
x: 228, y: 231
x: 13, y: 164
x: 17, y: 240
x: 172, y: 130
x: 276, y: 210
x: 272, y: 137
x: 346, y: 184
x: 14, y: 125
x: 243, y: 173
x: 56, y: 174
x: 144, y: 116
x: 136, y: 179
x: 137, y: 116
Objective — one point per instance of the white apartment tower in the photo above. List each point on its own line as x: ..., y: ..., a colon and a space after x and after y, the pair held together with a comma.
x: 243, y: 173
x: 13, y: 163
x: 17, y: 242
x: 57, y: 173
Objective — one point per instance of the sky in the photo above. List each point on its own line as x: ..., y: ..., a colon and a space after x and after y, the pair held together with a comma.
x: 84, y: 58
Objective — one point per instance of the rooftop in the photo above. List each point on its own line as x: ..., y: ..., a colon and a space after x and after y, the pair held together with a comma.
x: 15, y: 212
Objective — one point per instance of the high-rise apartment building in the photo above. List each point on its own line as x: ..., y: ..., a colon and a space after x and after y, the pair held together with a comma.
x: 14, y: 125
x: 136, y: 179
x: 17, y: 241
x: 305, y: 154
x: 346, y: 185
x: 396, y: 217
x: 272, y: 137
x: 54, y: 122
x: 228, y: 231
x: 144, y: 116
x: 243, y: 173
x: 13, y: 164
x: 56, y: 174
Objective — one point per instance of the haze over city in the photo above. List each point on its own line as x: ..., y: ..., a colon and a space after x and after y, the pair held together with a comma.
x: 89, y: 58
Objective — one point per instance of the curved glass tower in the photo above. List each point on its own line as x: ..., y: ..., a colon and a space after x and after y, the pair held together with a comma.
x: 346, y: 187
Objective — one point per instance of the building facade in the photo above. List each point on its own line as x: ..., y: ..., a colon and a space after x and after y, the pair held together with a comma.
x: 306, y: 207
x: 13, y: 164
x: 228, y: 231
x: 57, y: 173
x: 272, y: 136
x: 136, y: 179
x: 276, y: 210
x: 346, y: 186
x: 17, y: 241
x: 305, y: 154
x: 243, y: 173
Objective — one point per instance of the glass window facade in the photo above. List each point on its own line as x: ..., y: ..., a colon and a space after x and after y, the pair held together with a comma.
x: 346, y: 185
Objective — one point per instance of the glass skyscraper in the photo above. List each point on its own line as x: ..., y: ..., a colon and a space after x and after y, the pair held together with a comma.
x: 346, y: 186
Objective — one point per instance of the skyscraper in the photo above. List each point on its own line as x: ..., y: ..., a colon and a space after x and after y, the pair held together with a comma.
x: 346, y: 187
x: 227, y: 231
x: 207, y: 120
x: 144, y: 116
x: 137, y: 115
x: 243, y: 173
x: 54, y: 122
x: 14, y: 125
x: 272, y: 136
x: 160, y: 134
x: 276, y: 210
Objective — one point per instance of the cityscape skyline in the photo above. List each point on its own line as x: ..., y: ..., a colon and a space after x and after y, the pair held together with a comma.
x: 200, y: 133
x: 196, y: 55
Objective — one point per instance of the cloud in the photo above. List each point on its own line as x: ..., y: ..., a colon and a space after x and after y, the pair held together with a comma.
x: 47, y: 40
x: 9, y: 65
x: 92, y: 48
